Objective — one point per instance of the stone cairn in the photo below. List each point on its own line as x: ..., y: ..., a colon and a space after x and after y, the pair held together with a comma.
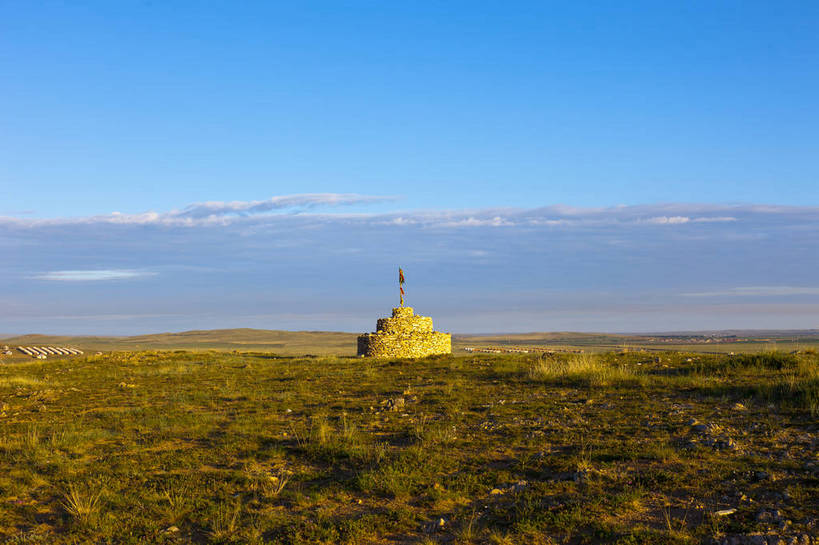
x: 404, y: 336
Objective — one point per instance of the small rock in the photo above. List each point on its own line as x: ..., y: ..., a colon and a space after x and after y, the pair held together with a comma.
x: 395, y: 404
x: 171, y: 530
x: 520, y: 485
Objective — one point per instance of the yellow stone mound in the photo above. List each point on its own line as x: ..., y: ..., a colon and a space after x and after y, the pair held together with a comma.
x: 404, y: 335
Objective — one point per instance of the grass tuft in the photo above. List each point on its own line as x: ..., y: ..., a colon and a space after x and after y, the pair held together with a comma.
x: 82, y: 504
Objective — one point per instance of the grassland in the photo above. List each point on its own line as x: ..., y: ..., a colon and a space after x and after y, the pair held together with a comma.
x: 197, y: 447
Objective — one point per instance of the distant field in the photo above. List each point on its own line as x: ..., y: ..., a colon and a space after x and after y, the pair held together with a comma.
x: 742, y: 342
x: 297, y: 343
x: 251, y: 448
x: 281, y: 342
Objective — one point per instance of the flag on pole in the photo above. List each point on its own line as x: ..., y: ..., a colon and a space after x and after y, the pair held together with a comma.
x: 401, y: 284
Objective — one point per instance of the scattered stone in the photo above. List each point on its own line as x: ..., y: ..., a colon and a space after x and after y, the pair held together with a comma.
x: 395, y: 404
x: 710, y: 435
x: 770, y: 539
x: 725, y: 512
x: 520, y: 485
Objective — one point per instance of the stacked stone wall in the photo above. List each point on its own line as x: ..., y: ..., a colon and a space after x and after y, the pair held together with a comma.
x: 403, y: 324
x: 404, y: 335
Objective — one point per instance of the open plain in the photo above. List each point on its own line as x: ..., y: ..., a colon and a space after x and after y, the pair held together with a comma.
x: 251, y: 447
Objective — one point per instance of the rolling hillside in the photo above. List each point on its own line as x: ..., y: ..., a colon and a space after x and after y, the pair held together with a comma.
x: 283, y: 342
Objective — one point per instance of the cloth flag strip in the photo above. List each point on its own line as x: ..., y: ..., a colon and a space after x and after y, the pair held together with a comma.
x: 401, y: 284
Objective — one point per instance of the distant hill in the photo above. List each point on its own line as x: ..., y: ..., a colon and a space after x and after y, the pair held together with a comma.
x: 283, y: 342
x: 344, y: 344
x: 291, y: 342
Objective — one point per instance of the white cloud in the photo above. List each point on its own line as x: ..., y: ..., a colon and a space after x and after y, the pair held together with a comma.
x: 92, y: 275
x: 212, y: 212
x: 231, y: 259
x: 284, y: 202
x: 665, y: 220
x: 471, y: 221
x: 718, y: 219
x: 679, y: 220
x: 757, y: 291
x: 303, y: 210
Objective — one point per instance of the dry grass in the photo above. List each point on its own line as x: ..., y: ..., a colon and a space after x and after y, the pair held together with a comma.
x: 16, y: 382
x: 588, y: 368
x: 82, y: 504
x: 237, y: 448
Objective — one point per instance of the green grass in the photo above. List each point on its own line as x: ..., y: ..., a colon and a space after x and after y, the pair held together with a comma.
x: 210, y: 447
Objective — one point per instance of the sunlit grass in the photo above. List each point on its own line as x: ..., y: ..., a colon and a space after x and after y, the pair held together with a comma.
x: 564, y: 448
x: 82, y: 504
x: 586, y: 368
x: 18, y: 381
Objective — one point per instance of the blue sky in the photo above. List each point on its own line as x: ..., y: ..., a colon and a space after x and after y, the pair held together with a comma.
x: 532, y: 165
